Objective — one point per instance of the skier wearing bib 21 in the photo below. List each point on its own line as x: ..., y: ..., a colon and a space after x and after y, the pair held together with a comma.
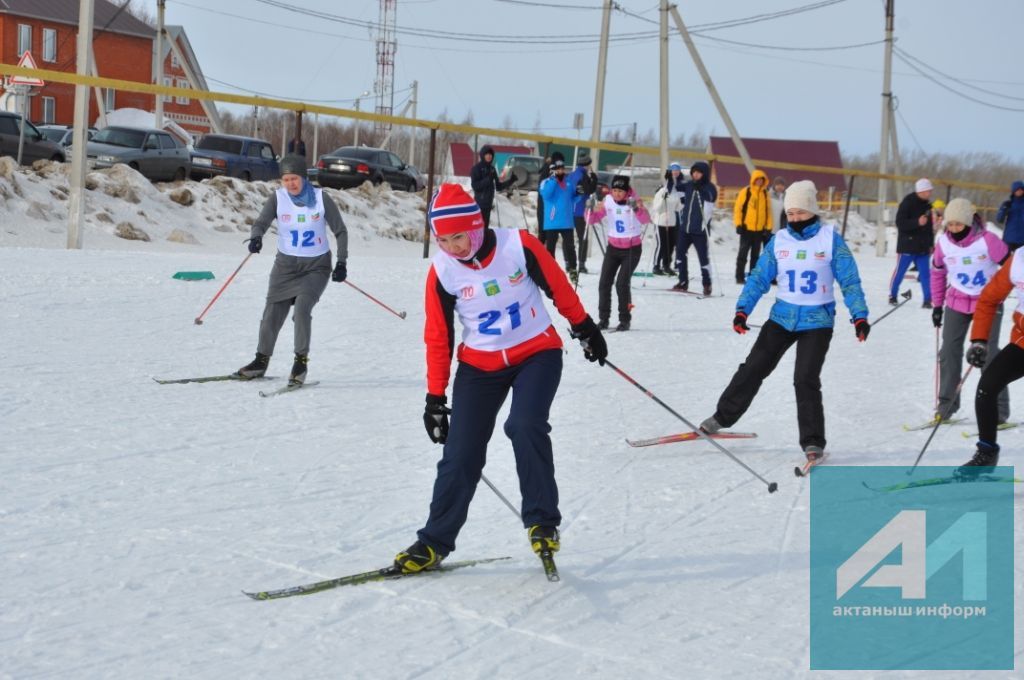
x: 493, y: 280
x: 807, y: 258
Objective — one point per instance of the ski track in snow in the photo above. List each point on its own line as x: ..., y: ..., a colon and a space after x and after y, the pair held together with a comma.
x: 133, y: 513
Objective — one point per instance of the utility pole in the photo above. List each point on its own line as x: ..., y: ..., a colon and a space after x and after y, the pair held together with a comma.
x: 160, y: 4
x: 412, y: 131
x: 883, y: 151
x: 897, y: 159
x: 602, y: 67
x: 663, y: 44
x: 706, y: 77
x: 76, y: 204
x: 316, y: 137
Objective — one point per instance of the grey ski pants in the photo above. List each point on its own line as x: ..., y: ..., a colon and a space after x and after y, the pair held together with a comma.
x: 955, y: 326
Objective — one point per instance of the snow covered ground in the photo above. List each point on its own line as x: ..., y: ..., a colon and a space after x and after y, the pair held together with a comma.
x: 133, y: 514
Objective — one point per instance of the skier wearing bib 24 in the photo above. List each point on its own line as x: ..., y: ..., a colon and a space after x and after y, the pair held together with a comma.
x: 302, y: 266
x: 806, y: 258
x: 493, y: 280
x: 966, y: 258
x: 624, y: 216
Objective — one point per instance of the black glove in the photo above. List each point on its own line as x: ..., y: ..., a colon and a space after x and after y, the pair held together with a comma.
x: 340, y: 271
x: 937, y: 317
x: 255, y: 244
x: 739, y: 323
x: 435, y: 418
x: 589, y: 335
x: 861, y: 328
x: 740, y: 229
x: 977, y: 353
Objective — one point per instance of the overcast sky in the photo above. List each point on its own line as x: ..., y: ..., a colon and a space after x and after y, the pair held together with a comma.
x: 769, y: 93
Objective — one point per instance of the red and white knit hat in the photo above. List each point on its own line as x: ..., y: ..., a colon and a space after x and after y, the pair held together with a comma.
x: 452, y: 211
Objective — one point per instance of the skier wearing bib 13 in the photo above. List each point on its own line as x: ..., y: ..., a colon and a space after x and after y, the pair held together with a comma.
x: 493, y: 280
x: 807, y: 258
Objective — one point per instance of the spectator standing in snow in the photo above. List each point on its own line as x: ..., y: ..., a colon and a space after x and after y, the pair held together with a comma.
x: 966, y: 258
x: 915, y: 239
x: 302, y: 265
x: 559, y: 192
x: 484, y: 180
x: 665, y: 214
x: 498, y: 276
x: 1011, y: 216
x: 752, y: 215
x: 545, y: 172
x: 698, y: 196
x: 585, y: 189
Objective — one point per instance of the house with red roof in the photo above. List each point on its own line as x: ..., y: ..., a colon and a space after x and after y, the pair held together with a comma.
x: 731, y: 177
x: 462, y: 157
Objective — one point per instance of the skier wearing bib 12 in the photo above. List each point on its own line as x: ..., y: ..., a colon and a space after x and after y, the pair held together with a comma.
x: 806, y: 258
x: 302, y: 265
x: 493, y: 280
x: 966, y: 257
x: 625, y: 217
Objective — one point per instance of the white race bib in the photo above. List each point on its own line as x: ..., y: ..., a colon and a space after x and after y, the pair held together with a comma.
x: 301, y: 231
x: 969, y: 268
x: 621, y: 220
x: 805, y: 267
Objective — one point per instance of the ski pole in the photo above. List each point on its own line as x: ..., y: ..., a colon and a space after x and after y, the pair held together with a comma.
x: 519, y: 195
x: 199, y: 319
x: 500, y: 495
x: 906, y: 298
x: 772, y: 486
x: 936, y: 368
x: 956, y: 395
x: 400, y: 315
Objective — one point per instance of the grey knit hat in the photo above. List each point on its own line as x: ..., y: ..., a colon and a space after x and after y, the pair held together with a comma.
x: 293, y: 164
x: 960, y: 210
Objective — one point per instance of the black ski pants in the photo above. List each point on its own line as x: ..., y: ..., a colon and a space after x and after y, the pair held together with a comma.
x: 618, y: 266
x: 568, y: 247
x: 750, y: 245
x: 1003, y: 369
x: 477, y: 397
x: 772, y: 342
x: 582, y: 240
x: 664, y: 247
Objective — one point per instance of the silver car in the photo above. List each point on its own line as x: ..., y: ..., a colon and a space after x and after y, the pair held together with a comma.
x: 154, y: 153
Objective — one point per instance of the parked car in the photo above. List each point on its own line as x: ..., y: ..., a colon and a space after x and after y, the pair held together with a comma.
x: 421, y: 180
x: 247, y: 158
x: 350, y: 166
x: 36, y: 146
x: 62, y: 134
x: 154, y: 153
x: 526, y: 169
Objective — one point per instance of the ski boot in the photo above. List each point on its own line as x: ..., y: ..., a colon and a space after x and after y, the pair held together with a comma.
x: 985, y: 458
x: 814, y: 453
x: 893, y: 301
x: 657, y: 271
x: 710, y: 426
x: 623, y: 326
x: 926, y: 304
x: 544, y: 538
x: 257, y: 368
x: 574, y: 276
x: 583, y: 269
x: 671, y: 272
x: 603, y: 324
x: 707, y: 289
x: 418, y: 557
x: 298, y: 375
x: 682, y: 285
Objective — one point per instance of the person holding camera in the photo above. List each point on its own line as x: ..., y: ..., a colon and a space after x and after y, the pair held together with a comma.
x: 484, y: 180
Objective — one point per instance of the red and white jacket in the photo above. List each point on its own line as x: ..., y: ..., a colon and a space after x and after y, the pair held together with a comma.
x: 497, y: 297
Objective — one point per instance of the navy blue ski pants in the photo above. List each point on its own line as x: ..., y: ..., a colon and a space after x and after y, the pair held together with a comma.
x: 477, y: 396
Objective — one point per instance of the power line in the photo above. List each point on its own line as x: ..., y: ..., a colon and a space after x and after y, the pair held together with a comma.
x: 950, y: 89
x: 294, y: 99
x: 907, y: 55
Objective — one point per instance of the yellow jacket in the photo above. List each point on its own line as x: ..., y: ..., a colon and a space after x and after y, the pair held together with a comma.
x: 753, y: 208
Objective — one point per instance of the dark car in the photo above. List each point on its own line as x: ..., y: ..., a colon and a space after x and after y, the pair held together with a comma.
x: 350, y: 166
x: 154, y: 153
x: 36, y: 146
x: 62, y: 133
x: 247, y: 158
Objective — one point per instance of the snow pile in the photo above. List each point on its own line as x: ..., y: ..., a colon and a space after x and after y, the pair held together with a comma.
x: 122, y: 204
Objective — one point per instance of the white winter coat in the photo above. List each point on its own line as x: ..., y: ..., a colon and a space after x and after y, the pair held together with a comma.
x: 665, y: 207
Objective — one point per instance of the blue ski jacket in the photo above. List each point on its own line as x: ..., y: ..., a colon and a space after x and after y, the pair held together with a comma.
x: 805, y: 317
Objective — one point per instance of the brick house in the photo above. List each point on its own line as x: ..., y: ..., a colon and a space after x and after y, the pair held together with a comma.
x: 124, y: 47
x: 191, y: 114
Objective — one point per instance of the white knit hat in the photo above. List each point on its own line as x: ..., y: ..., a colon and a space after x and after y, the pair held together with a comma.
x: 960, y: 210
x: 802, y: 195
x: 923, y: 184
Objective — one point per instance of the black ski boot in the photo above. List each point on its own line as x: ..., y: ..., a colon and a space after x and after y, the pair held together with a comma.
x: 418, y: 557
x: 707, y: 289
x: 603, y: 324
x: 710, y: 426
x: 985, y: 458
x: 682, y: 285
x: 298, y: 375
x: 623, y: 326
x: 257, y: 368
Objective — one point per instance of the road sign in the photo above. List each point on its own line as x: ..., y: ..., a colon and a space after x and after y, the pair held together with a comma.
x: 27, y: 61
